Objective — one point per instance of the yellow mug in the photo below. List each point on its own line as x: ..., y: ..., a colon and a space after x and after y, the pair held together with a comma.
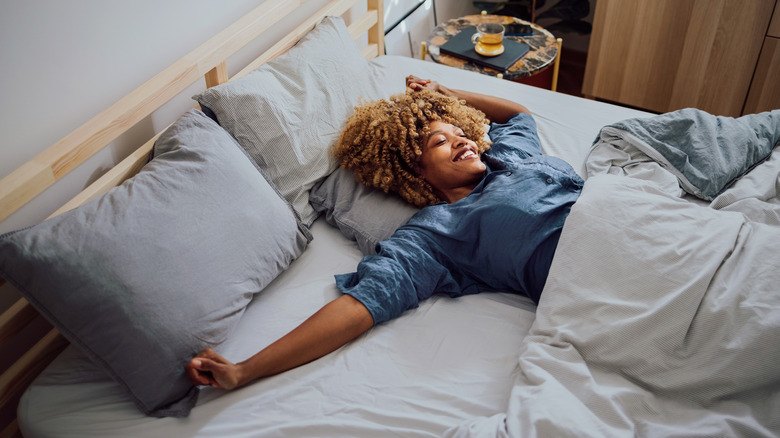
x: 489, y: 39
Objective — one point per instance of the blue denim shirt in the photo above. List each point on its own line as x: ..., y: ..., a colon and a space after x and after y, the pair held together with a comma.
x: 501, y: 237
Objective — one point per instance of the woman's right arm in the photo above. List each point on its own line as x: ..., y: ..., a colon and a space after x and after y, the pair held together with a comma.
x: 497, y: 109
x: 343, y: 319
x: 335, y: 324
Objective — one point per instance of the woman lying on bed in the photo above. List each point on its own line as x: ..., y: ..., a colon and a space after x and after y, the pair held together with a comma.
x: 491, y: 220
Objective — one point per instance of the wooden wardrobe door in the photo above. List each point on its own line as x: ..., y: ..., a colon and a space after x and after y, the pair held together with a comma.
x: 765, y: 90
x: 664, y: 55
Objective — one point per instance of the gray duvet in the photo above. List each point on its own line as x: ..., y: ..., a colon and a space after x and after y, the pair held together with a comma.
x: 660, y: 316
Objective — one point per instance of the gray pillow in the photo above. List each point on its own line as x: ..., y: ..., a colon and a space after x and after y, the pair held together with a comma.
x: 289, y: 112
x: 362, y: 214
x: 155, y: 270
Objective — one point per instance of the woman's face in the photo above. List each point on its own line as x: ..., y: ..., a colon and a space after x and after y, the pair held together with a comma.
x: 450, y: 161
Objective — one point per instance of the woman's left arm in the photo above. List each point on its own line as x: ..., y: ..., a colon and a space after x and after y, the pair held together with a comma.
x: 497, y: 109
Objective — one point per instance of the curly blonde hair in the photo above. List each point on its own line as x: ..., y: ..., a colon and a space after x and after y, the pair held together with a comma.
x: 382, y: 141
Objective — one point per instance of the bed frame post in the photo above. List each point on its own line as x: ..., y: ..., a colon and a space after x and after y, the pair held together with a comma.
x: 217, y: 75
x: 376, y: 35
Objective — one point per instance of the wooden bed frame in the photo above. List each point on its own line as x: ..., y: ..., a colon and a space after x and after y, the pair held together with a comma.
x: 48, y: 167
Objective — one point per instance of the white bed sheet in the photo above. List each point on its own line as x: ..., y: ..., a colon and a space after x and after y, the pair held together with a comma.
x: 434, y: 367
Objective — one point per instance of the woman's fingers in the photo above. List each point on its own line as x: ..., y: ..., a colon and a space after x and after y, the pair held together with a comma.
x: 203, y: 368
x: 197, y: 373
x: 416, y: 83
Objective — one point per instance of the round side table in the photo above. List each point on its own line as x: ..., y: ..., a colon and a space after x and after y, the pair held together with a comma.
x: 544, y: 48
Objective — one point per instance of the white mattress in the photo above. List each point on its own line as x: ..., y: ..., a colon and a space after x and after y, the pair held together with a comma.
x: 446, y: 362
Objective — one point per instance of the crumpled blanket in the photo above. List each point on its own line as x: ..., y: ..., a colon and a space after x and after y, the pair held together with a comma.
x: 660, y: 316
x: 704, y: 153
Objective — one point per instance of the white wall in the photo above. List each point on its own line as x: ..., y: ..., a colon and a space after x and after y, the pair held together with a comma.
x: 63, y: 62
x: 405, y: 39
x: 448, y: 9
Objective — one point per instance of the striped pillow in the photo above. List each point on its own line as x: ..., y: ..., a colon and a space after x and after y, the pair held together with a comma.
x: 289, y: 112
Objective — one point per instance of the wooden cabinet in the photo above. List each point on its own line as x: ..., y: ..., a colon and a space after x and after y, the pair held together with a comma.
x: 663, y: 55
x: 764, y: 92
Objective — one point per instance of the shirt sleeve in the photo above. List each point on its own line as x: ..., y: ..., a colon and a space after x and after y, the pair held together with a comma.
x: 398, y: 277
x: 515, y: 140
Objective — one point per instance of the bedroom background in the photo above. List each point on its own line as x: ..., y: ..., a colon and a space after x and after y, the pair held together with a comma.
x: 65, y: 62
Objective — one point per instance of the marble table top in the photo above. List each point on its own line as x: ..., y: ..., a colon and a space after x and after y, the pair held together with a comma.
x: 544, y: 47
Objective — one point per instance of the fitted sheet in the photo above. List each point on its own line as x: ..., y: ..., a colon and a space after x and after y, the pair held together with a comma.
x: 434, y: 367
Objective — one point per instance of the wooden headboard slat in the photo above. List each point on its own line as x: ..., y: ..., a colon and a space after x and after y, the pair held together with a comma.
x: 16, y: 378
x: 217, y: 75
x: 363, y: 24
x: 115, y: 176
x: 371, y: 51
x: 49, y: 166
x: 13, y: 320
x: 11, y: 431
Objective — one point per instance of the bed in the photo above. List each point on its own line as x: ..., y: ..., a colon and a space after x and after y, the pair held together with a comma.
x: 660, y: 317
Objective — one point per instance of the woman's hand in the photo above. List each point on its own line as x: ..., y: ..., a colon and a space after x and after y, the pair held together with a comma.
x: 497, y: 109
x: 209, y: 368
x: 417, y: 84
x: 335, y: 324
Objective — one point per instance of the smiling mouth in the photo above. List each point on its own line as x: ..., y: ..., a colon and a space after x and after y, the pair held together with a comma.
x: 465, y: 155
